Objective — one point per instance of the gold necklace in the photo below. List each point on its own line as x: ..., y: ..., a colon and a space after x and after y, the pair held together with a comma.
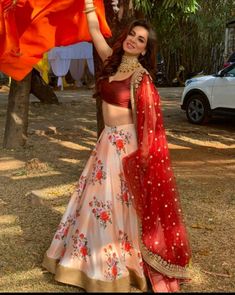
x: 128, y: 64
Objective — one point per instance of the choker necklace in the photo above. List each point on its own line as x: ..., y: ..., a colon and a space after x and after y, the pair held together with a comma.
x: 128, y: 64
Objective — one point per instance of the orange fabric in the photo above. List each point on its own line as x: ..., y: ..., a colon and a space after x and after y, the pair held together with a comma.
x: 33, y: 27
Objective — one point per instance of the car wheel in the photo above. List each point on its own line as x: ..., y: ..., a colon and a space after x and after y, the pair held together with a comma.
x: 198, y: 109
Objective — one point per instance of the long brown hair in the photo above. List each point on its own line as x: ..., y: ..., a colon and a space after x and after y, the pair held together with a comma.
x: 148, y: 60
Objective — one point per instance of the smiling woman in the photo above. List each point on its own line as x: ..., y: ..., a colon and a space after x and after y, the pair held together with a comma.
x: 136, y: 41
x: 123, y: 224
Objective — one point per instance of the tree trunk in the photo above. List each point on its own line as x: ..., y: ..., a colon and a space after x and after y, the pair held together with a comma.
x: 99, y: 113
x: 17, y: 113
x: 41, y: 90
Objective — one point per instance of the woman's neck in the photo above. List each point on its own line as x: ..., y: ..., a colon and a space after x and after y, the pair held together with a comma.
x: 128, y: 64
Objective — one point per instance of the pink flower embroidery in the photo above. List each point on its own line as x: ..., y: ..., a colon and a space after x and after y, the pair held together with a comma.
x: 126, y: 244
x: 120, y: 144
x: 104, y: 216
x: 98, y: 174
x: 83, y: 251
x: 119, y: 139
x: 102, y: 211
x: 124, y: 195
x: 113, y: 270
x: 80, y: 246
x: 81, y: 186
x: 63, y: 228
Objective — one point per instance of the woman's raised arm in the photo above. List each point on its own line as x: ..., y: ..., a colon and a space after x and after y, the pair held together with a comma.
x: 102, y: 47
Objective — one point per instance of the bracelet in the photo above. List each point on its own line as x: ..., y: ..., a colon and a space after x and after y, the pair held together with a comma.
x: 88, y: 10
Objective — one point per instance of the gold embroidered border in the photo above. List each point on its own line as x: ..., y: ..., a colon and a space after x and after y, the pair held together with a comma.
x: 152, y: 259
x: 135, y: 81
x: 80, y: 279
x: 159, y: 264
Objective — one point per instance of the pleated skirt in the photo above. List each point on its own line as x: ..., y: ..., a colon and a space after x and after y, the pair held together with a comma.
x: 96, y: 243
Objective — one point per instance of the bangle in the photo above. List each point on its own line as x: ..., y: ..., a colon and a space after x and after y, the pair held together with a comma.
x: 88, y: 10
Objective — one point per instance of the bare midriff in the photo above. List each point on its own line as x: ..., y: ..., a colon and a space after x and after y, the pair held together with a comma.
x: 115, y: 115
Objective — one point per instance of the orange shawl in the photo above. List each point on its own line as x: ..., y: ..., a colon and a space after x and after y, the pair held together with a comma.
x: 32, y: 27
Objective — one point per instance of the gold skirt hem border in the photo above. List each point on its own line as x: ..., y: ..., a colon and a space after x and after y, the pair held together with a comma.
x: 78, y: 278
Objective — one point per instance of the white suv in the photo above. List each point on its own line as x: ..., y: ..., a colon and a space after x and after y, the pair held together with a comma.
x: 206, y: 96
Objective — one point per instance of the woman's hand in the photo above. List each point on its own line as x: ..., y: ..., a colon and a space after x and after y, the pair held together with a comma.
x: 89, y: 6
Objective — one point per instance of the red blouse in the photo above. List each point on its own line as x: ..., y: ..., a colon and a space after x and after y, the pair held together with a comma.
x: 116, y: 92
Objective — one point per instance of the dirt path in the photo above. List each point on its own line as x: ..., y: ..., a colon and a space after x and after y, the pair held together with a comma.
x: 35, y: 186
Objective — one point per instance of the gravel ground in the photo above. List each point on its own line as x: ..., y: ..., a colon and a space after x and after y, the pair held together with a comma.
x: 36, y: 183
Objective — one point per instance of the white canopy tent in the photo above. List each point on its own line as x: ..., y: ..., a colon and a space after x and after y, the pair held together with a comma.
x: 71, y: 58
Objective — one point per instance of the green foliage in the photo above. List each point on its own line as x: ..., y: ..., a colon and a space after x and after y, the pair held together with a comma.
x: 148, y: 6
x: 190, y: 32
x: 144, y: 5
x: 187, y: 6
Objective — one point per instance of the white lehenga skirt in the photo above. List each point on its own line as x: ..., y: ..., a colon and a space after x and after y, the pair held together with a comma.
x: 96, y: 244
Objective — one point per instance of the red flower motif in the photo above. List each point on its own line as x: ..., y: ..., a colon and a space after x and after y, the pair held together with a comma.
x: 104, y: 216
x: 83, y: 251
x: 99, y: 174
x: 66, y: 231
x: 114, y: 270
x: 119, y: 144
x: 125, y: 197
x: 81, y: 236
x: 77, y: 213
x: 63, y: 251
x: 127, y: 246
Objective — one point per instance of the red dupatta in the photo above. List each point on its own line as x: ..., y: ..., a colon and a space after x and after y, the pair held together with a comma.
x: 163, y: 239
x: 32, y: 27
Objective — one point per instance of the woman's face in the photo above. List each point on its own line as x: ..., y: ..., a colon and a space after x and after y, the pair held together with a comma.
x: 136, y: 41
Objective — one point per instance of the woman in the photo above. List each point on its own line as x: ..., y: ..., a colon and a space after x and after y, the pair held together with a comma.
x: 123, y: 224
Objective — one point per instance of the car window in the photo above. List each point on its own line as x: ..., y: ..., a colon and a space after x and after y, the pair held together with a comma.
x: 231, y: 73
x: 232, y: 57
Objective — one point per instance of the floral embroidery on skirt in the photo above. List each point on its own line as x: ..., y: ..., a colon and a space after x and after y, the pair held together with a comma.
x: 96, y: 244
